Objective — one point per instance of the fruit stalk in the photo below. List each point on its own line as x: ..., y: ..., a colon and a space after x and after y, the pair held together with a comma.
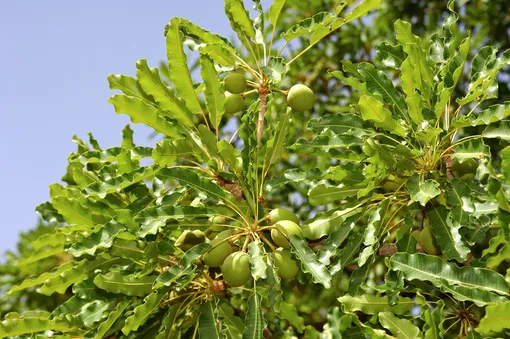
x: 263, y: 91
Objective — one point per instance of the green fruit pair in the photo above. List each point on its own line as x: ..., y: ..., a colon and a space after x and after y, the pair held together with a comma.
x: 283, y: 229
x: 234, y: 83
x: 287, y: 267
x: 236, y: 269
x: 466, y: 170
x: 188, y: 239
x: 279, y: 214
x: 219, y: 250
x: 300, y: 98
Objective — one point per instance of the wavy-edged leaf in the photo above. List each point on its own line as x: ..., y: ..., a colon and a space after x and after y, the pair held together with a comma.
x: 471, y: 149
x: 191, y: 179
x: 130, y: 87
x: 496, y: 319
x: 422, y: 190
x: 371, y: 304
x: 111, y: 155
x: 274, y: 146
x: 42, y: 278
x: 178, y: 66
x: 390, y: 56
x: 184, y: 269
x: 499, y: 130
x: 78, y: 273
x: 309, y: 262
x: 445, y: 229
x: 167, y: 151
x: 110, y: 320
x: 127, y: 249
x: 233, y: 325
x: 118, y: 183
x: 289, y: 313
x: 93, y: 312
x: 488, y: 116
x: 170, y: 104
x: 414, y: 99
x: 140, y: 112
x: 433, y: 327
x: 382, y: 88
x: 100, y: 239
x: 332, y: 244
x: 209, y: 325
x: 254, y: 322
x: 326, y: 141
x: 326, y: 225
x: 436, y: 270
x: 339, y: 124
x: 239, y: 19
x: 324, y: 194
x: 143, y: 311
x: 40, y: 255
x: 168, y: 326
x: 73, y: 212
x: 275, y: 10
x: 214, y: 95
x: 128, y: 284
x: 31, y: 322
x: 153, y: 218
x: 374, y: 110
x: 309, y: 25
x: 400, y: 328
x: 258, y: 264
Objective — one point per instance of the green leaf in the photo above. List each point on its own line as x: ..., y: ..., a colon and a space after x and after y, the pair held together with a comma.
x: 31, y: 322
x: 127, y: 249
x: 257, y: 255
x: 233, y: 325
x: 111, y: 155
x: 255, y: 322
x: 445, y: 228
x: 239, y: 17
x: 127, y: 137
x: 422, y: 190
x: 40, y: 255
x: 414, y: 99
x: 275, y: 10
x: 208, y: 324
x: 499, y: 130
x: 326, y: 225
x: 42, y: 278
x: 189, y: 178
x: 153, y: 218
x: 339, y: 124
x: 379, y: 85
x: 178, y: 66
x: 112, y: 318
x: 167, y: 151
x: 214, y: 95
x: 373, y: 109
x: 73, y: 212
x: 100, y: 239
x: 309, y: 262
x: 118, y: 183
x: 168, y: 325
x: 143, y: 311
x: 289, y: 313
x: 438, y: 271
x: 400, y: 328
x: 324, y: 194
x: 93, y: 312
x: 128, y: 284
x: 140, y: 112
x: 130, y: 87
x: 371, y: 304
x: 496, y: 319
x: 275, y: 145
x: 390, y: 56
x: 309, y: 25
x: 471, y: 149
x: 488, y: 116
x: 170, y: 104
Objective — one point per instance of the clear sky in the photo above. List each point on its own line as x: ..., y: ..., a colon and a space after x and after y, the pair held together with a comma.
x: 55, y: 58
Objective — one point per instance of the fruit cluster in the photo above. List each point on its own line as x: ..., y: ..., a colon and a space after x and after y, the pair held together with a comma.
x: 226, y: 253
x: 299, y: 97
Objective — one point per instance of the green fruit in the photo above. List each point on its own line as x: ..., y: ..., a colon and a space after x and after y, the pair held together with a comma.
x: 283, y: 229
x: 300, y: 98
x: 234, y: 83
x: 287, y: 267
x: 218, y: 222
x: 210, y: 233
x: 279, y: 214
x: 236, y: 269
x: 188, y: 239
x: 219, y: 250
x: 465, y: 170
x: 233, y: 103
x: 428, y: 242
x: 416, y: 234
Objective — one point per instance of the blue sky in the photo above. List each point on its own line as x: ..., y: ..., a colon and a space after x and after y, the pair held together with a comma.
x: 55, y: 58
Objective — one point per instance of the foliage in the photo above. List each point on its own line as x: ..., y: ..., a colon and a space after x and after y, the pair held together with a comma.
x: 394, y: 239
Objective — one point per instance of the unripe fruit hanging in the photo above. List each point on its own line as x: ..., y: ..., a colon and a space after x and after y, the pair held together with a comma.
x: 279, y: 214
x: 188, y: 239
x: 234, y: 83
x: 283, y: 229
x: 300, y: 98
x: 236, y: 269
x: 287, y: 267
x: 465, y: 170
x: 233, y: 103
x: 220, y: 250
x: 428, y: 242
